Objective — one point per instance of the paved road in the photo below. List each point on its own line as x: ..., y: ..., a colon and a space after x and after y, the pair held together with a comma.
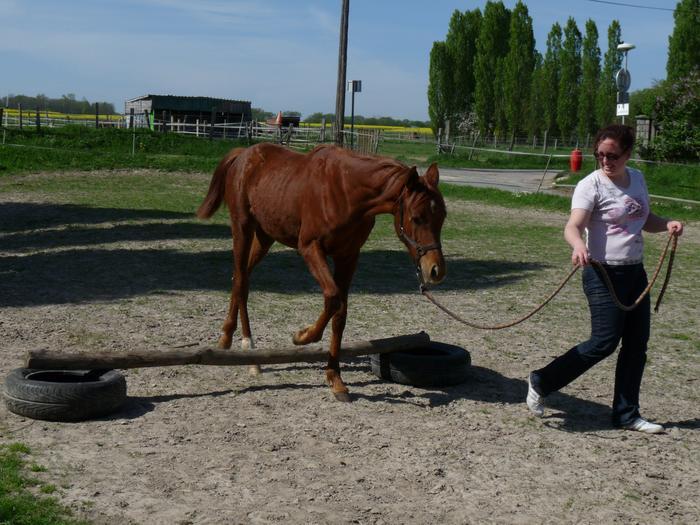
x: 528, y: 181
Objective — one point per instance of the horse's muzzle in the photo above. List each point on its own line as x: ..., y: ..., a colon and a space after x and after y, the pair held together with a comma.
x: 432, y: 267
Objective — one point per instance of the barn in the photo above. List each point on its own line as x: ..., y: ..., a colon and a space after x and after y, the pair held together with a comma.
x: 171, y: 108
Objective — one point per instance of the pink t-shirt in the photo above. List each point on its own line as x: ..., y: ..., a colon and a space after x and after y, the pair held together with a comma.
x: 614, y: 232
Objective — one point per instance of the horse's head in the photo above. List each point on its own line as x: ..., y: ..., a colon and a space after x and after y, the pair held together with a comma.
x: 418, y: 221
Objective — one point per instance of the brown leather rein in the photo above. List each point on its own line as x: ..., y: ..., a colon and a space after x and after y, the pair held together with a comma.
x: 672, y: 239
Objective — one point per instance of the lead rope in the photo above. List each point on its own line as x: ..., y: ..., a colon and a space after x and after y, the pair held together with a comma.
x: 672, y: 238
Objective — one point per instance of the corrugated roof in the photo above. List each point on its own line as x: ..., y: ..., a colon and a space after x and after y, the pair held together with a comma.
x: 203, y: 104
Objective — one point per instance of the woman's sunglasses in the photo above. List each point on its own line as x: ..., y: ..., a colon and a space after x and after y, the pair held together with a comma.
x: 610, y: 157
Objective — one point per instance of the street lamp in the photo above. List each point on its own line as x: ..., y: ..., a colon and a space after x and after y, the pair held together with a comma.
x: 355, y: 86
x: 623, y: 80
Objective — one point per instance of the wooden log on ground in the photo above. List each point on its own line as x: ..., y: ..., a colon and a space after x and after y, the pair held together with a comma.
x: 56, y: 360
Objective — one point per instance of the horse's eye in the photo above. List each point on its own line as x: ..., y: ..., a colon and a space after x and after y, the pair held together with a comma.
x: 417, y: 220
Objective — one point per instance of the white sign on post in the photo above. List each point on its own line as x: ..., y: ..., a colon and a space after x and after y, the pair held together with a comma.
x: 623, y: 110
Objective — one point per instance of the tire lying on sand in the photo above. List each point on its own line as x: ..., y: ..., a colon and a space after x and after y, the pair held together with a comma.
x: 435, y: 365
x: 64, y: 395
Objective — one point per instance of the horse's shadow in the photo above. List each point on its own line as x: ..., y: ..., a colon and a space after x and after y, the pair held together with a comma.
x: 488, y: 387
x: 73, y: 264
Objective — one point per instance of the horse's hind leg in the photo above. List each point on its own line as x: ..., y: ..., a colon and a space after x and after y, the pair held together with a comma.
x: 344, y: 270
x: 242, y: 239
x: 261, y: 245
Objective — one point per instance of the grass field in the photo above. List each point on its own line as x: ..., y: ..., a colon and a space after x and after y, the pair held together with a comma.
x: 80, y: 148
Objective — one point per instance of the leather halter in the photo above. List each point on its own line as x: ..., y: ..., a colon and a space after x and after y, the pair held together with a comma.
x: 421, y: 249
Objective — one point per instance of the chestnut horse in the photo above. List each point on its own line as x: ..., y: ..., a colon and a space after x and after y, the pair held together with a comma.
x: 324, y: 204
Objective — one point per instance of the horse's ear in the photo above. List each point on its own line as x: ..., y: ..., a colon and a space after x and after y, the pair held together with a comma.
x: 413, y: 179
x: 432, y: 176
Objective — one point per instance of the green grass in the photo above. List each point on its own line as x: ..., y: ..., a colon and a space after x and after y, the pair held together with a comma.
x: 19, y: 505
x: 668, y: 180
x: 81, y: 148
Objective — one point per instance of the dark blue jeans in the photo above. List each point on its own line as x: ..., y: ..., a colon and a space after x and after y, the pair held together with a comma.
x: 609, y: 325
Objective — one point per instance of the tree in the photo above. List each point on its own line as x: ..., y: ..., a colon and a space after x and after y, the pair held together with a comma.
x: 440, y: 86
x: 536, y: 109
x: 551, y: 72
x: 318, y: 117
x: 684, y: 42
x: 606, y: 99
x: 569, y: 86
x: 590, y: 80
x: 643, y: 101
x: 261, y: 115
x: 518, y: 65
x: 461, y: 45
x: 491, y: 47
x: 66, y: 104
x: 677, y: 118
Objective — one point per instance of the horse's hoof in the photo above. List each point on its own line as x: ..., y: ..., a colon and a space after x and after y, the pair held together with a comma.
x: 225, y: 342
x: 297, y: 339
x: 254, y: 370
x: 302, y: 338
x: 343, y: 397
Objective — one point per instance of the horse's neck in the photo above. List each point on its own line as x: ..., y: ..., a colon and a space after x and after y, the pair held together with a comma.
x: 388, y: 195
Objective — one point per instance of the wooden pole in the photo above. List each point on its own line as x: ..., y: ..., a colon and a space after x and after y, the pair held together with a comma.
x: 342, y: 67
x: 50, y: 359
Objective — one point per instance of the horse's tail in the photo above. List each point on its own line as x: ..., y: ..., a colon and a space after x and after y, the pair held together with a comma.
x: 215, y: 195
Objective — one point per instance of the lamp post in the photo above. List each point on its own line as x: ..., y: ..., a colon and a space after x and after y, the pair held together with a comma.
x: 354, y: 86
x: 623, y: 80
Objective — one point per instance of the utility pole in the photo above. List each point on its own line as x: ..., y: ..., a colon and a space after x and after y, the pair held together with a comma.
x: 342, y: 66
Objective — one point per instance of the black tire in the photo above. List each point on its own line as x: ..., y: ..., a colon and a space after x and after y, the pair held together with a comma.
x: 436, y: 365
x: 64, y: 395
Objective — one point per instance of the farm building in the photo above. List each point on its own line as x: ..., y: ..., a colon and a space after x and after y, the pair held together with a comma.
x: 171, y: 108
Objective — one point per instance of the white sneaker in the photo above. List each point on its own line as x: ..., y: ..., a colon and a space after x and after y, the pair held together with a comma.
x: 642, y: 425
x: 535, y: 402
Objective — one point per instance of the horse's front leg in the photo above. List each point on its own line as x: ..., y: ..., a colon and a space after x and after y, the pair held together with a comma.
x: 318, y: 266
x: 344, y: 270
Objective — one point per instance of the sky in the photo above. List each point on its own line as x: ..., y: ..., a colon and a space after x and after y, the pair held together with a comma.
x: 281, y: 55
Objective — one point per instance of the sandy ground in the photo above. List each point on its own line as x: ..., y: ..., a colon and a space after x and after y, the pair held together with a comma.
x: 201, y: 445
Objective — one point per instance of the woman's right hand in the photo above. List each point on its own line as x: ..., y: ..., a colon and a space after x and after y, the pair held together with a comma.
x: 579, y: 256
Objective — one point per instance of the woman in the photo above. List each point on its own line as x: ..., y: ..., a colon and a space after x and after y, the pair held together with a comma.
x: 612, y: 206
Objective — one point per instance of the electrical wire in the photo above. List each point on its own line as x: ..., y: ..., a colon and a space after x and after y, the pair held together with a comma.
x: 632, y: 5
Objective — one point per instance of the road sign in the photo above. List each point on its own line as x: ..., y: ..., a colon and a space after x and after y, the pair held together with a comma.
x: 623, y: 80
x: 623, y: 110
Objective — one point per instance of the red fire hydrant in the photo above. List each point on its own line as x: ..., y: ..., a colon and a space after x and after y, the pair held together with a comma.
x: 576, y: 160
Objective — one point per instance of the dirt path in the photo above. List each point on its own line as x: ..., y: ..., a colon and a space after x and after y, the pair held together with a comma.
x: 201, y: 445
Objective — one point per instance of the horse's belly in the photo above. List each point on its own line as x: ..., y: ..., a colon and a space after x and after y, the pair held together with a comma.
x: 281, y: 227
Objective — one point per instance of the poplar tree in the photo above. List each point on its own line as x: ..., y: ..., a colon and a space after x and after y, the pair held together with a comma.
x: 569, y: 86
x: 440, y: 86
x: 590, y: 79
x: 684, y: 42
x: 518, y: 66
x: 461, y: 45
x: 551, y: 72
x: 491, y: 47
x: 607, y: 90
x: 536, y: 109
